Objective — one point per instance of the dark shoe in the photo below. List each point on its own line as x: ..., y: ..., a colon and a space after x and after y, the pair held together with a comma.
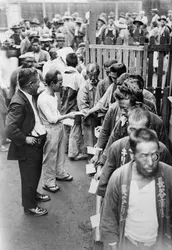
x: 52, y: 189
x: 68, y: 177
x: 43, y: 197
x: 79, y: 157
x: 38, y: 211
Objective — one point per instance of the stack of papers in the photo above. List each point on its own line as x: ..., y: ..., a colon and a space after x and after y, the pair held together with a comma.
x: 90, y: 169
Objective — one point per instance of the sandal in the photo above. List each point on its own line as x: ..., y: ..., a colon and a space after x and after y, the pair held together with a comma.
x: 68, y: 177
x: 52, y: 189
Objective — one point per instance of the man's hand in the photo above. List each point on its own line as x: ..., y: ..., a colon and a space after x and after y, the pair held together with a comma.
x: 95, y: 158
x: 85, y: 113
x: 97, y: 175
x: 31, y: 140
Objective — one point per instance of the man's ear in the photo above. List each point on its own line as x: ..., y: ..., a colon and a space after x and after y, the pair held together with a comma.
x: 131, y: 154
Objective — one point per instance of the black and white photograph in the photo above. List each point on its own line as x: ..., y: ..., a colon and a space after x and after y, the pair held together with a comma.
x: 85, y: 124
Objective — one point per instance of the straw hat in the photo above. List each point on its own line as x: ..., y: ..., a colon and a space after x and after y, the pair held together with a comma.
x: 60, y: 37
x: 46, y: 38
x: 79, y: 20
x: 102, y: 19
x: 27, y: 55
x: 67, y: 16
x: 154, y: 11
x: 16, y: 26
x: 35, y: 21
x: 137, y: 20
x: 163, y: 18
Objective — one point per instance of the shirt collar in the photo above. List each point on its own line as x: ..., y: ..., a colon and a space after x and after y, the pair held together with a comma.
x: 29, y: 97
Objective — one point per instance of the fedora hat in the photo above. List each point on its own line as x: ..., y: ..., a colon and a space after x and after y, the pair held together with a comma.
x: 137, y: 20
x: 16, y: 26
x: 122, y: 14
x: 79, y: 20
x: 67, y: 16
x: 27, y: 55
x: 111, y: 15
x: 154, y: 10
x: 35, y: 21
x: 163, y: 18
x: 102, y: 19
x: 34, y: 34
x: 60, y: 37
x: 45, y: 38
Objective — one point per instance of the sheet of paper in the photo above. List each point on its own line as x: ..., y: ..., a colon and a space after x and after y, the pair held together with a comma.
x: 90, y: 169
x: 95, y: 220
x: 68, y: 121
x: 92, y: 151
x: 93, y: 186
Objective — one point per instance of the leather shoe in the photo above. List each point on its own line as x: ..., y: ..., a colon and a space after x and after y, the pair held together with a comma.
x: 42, y: 197
x: 38, y: 211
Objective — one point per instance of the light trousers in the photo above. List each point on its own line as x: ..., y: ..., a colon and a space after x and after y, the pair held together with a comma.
x: 54, y: 154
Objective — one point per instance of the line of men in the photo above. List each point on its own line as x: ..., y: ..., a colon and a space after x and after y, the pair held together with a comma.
x: 136, y: 212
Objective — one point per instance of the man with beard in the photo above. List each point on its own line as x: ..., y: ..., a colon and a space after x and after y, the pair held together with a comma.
x: 137, y: 207
x: 119, y: 152
x: 27, y: 136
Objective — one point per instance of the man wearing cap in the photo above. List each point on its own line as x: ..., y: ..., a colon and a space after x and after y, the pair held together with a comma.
x: 41, y: 56
x: 79, y: 35
x: 62, y: 51
x: 101, y: 25
x: 70, y: 29
x: 110, y: 33
x: 35, y: 26
x: 46, y: 42
x: 28, y: 61
x: 155, y: 17
x: 142, y: 17
x: 16, y: 36
x: 164, y: 30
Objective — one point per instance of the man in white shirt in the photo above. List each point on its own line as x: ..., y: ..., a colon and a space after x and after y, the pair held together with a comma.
x: 27, y: 136
x: 137, y: 207
x: 54, y: 151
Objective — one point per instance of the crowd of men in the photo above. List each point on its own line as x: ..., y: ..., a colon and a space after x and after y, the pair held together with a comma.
x: 55, y: 103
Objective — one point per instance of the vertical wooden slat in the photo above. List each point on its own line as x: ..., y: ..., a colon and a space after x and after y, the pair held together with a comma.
x: 132, y: 62
x: 119, y: 56
x: 93, y: 55
x: 138, y: 64
x: 99, y: 61
x: 105, y: 55
x: 145, y: 54
x: 169, y: 75
x: 150, y: 63
x: 125, y: 58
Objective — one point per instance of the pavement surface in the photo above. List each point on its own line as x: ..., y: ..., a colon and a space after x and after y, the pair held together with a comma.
x: 67, y: 225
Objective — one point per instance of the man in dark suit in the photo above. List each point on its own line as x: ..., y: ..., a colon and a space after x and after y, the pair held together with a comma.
x: 27, y: 136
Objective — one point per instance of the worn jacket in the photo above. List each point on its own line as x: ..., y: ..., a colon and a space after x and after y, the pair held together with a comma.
x: 118, y: 155
x: 113, y: 115
x: 116, y: 202
x: 20, y: 123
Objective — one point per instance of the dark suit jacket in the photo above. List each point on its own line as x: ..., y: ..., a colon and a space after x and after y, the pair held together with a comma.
x: 20, y: 122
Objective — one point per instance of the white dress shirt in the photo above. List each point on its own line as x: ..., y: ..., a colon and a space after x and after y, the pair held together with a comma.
x: 39, y: 128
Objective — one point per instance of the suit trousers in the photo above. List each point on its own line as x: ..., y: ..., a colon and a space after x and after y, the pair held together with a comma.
x: 30, y: 171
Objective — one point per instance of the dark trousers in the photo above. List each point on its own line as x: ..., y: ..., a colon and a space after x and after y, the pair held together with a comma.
x: 30, y: 171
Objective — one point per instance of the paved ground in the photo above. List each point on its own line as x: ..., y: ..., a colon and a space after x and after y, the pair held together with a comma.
x: 67, y: 226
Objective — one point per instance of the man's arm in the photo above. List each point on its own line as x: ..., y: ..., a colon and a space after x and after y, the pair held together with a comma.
x: 13, y: 84
x: 106, y: 128
x: 107, y: 170
x: 82, y: 98
x: 15, y: 119
x: 109, y: 223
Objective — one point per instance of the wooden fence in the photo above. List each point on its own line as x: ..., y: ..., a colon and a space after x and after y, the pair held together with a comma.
x: 134, y: 57
x: 140, y: 60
